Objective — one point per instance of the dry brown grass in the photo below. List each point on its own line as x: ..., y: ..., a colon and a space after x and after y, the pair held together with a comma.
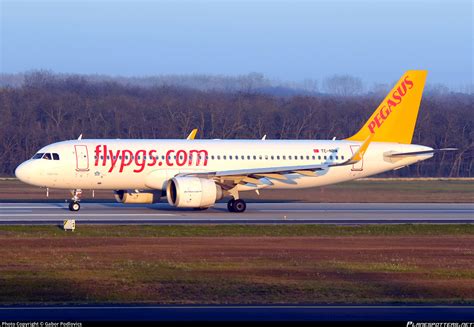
x: 238, y: 270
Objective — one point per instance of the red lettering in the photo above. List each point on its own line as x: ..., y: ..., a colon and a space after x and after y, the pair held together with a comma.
x: 372, y: 127
x: 377, y: 121
x: 168, y: 158
x: 152, y: 156
x: 126, y: 159
x: 140, y: 155
x: 114, y: 159
x: 104, y: 161
x: 390, y: 104
x: 181, y: 157
x: 404, y: 87
x: 384, y: 114
x: 397, y: 97
x: 199, y: 154
x: 408, y: 82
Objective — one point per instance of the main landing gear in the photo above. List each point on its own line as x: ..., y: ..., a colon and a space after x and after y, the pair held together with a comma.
x: 74, y: 203
x: 238, y: 205
x: 74, y: 206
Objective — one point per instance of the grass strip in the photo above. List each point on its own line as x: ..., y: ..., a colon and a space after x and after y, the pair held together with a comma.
x: 238, y: 230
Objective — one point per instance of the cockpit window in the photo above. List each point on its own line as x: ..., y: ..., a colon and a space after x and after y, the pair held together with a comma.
x: 55, y: 156
x: 38, y: 156
x: 47, y: 156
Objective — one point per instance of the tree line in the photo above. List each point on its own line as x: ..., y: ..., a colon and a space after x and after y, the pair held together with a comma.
x: 47, y: 108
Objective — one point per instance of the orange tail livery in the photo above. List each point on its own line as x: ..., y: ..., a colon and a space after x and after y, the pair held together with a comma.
x: 395, y: 118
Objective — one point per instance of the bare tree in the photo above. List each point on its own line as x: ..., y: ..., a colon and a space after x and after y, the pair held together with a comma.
x: 343, y: 85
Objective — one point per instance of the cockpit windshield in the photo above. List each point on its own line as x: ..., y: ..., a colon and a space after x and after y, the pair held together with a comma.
x: 46, y: 156
x: 38, y: 156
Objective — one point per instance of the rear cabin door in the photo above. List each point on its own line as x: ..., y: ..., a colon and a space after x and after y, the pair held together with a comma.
x: 358, y: 166
x: 82, y: 158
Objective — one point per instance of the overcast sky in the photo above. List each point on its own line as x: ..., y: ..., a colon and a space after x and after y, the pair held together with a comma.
x: 287, y: 40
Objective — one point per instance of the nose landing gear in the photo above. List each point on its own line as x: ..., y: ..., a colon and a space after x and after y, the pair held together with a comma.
x: 74, y: 203
x: 238, y: 205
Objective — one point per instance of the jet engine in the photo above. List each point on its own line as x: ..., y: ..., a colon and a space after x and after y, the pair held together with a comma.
x: 128, y: 196
x: 192, y: 192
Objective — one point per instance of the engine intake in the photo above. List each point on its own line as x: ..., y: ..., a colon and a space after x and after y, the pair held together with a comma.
x: 192, y: 192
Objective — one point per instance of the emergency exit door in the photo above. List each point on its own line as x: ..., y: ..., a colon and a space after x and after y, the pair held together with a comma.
x: 358, y: 166
x: 82, y: 158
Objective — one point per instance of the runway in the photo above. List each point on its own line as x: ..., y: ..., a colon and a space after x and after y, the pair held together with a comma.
x: 257, y: 213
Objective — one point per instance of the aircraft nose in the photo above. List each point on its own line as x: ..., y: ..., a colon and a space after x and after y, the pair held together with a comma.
x: 21, y: 172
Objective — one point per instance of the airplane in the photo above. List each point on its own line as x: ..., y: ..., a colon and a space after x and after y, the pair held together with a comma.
x: 197, y: 173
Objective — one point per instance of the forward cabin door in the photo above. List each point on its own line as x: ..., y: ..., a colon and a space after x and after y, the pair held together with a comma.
x: 82, y: 158
x: 358, y: 166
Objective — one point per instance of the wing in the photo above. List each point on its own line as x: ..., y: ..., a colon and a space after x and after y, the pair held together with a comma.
x: 261, y: 176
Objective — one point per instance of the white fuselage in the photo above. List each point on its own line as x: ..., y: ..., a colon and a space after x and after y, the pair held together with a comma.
x: 149, y: 164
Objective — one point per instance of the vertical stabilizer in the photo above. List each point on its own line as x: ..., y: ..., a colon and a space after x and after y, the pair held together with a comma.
x: 395, y: 118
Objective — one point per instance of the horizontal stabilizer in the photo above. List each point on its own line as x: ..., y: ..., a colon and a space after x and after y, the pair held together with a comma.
x: 401, y: 154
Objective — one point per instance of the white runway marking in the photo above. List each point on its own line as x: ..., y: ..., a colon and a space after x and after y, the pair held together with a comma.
x: 361, y: 210
x: 44, y: 207
x: 84, y: 214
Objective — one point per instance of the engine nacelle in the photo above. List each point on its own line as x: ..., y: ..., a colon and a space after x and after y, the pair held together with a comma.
x: 192, y: 192
x: 126, y: 196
